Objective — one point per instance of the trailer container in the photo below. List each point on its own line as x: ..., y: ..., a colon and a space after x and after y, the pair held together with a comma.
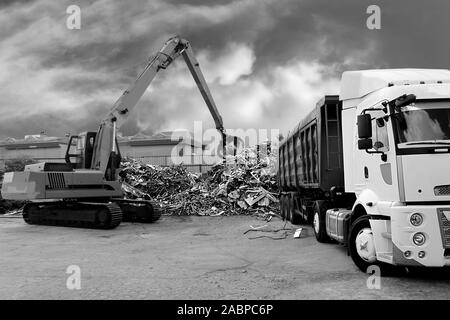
x: 311, y: 161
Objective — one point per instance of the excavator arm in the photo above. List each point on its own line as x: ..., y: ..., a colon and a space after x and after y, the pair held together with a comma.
x: 194, y: 68
x: 105, y: 144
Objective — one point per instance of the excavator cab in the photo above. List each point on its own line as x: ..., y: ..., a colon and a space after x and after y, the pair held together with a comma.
x: 80, y: 148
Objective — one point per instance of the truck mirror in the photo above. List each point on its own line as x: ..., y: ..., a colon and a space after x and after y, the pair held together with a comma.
x: 404, y: 100
x: 365, y: 144
x: 364, y: 126
x: 380, y: 122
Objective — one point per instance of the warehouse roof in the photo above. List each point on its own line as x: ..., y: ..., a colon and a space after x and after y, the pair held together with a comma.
x: 43, y: 141
x: 33, y: 142
x: 32, y: 145
x: 162, y: 138
x: 356, y: 84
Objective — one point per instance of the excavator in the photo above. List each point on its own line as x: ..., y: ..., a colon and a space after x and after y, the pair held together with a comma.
x: 85, y: 191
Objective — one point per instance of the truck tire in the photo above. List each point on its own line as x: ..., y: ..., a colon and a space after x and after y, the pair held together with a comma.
x: 319, y: 226
x: 287, y: 201
x: 283, y: 207
x: 294, y: 218
x: 363, y: 254
x: 362, y: 249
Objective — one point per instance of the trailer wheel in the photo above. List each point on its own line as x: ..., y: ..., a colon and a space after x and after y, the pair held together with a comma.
x: 287, y: 201
x: 283, y: 206
x: 294, y: 218
x: 320, y: 231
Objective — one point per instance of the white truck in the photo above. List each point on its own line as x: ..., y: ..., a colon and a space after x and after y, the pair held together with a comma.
x: 371, y: 168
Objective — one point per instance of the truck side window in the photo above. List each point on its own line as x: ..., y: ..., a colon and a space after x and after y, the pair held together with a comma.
x: 379, y: 128
x: 80, y: 143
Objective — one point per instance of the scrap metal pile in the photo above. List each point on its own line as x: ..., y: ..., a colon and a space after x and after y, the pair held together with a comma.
x: 245, y: 184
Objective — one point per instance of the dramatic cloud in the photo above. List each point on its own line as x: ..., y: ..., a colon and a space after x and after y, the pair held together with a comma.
x: 267, y: 61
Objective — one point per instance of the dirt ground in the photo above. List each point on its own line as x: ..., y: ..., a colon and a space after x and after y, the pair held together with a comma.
x: 190, y: 258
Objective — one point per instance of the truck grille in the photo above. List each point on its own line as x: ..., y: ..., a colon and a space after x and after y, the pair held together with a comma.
x: 56, y: 180
x: 442, y: 190
x: 444, y: 222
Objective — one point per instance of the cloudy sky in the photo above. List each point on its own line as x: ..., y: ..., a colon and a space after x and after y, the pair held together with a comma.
x: 267, y: 61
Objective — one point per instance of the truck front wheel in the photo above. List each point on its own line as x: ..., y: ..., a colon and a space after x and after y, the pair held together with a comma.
x: 362, y: 244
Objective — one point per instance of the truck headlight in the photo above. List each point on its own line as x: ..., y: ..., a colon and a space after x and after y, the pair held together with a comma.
x: 419, y: 238
x: 416, y: 219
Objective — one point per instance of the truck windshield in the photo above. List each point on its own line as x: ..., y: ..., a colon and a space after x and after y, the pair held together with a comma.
x: 422, y: 124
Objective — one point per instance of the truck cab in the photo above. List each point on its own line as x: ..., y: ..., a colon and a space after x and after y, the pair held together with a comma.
x: 388, y: 200
x: 397, y: 162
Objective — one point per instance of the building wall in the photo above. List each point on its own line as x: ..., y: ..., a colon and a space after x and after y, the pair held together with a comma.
x: 165, y: 155
x: 152, y: 154
x: 56, y: 152
x: 42, y: 154
x: 140, y: 151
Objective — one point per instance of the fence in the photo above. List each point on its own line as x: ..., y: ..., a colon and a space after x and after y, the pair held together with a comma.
x: 198, y: 164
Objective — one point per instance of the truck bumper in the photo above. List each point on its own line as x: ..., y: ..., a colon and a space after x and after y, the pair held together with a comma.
x: 435, y: 251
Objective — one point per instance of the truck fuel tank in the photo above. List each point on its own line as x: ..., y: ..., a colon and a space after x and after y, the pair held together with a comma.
x: 336, y: 223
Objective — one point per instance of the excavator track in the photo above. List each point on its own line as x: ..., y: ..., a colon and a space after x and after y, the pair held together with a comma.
x: 139, y: 210
x: 73, y: 214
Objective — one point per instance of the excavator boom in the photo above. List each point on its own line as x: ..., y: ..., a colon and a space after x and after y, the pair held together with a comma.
x: 171, y: 50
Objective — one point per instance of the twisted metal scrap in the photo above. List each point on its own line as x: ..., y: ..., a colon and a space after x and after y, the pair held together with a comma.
x: 247, y: 186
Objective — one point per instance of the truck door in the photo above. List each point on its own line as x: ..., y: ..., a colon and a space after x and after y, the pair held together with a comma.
x: 376, y: 171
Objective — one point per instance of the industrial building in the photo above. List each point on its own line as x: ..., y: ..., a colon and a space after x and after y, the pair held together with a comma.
x: 164, y: 148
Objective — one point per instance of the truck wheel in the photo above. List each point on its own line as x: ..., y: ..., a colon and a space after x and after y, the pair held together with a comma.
x: 362, y: 244
x: 283, y: 206
x: 320, y: 209
x: 287, y: 201
x: 294, y: 218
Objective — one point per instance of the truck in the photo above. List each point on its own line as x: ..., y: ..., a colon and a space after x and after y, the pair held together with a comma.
x: 370, y: 168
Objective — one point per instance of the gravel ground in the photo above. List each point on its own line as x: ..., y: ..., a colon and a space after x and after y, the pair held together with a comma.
x: 191, y: 258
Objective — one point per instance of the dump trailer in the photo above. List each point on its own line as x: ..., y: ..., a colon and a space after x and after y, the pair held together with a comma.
x: 370, y: 168
x: 311, y: 162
